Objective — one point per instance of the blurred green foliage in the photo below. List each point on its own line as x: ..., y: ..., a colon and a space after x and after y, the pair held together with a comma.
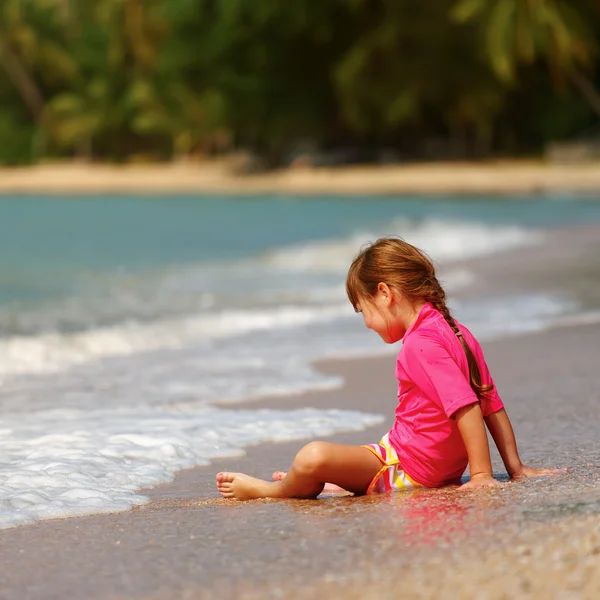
x: 160, y: 79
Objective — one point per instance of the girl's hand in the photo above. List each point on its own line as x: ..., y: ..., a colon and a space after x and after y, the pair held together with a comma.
x: 480, y: 481
x: 527, y: 472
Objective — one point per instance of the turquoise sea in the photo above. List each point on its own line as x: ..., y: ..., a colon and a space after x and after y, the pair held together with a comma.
x: 128, y: 323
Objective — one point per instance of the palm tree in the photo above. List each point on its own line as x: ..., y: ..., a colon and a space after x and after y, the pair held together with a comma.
x: 112, y: 94
x: 523, y: 31
x: 35, y: 58
x: 17, y: 35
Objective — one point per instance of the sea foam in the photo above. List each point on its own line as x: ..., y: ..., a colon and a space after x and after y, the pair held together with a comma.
x: 97, y: 461
x: 442, y: 240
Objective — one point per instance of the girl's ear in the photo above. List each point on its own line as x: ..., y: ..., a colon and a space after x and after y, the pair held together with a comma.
x: 385, y: 292
x: 388, y: 294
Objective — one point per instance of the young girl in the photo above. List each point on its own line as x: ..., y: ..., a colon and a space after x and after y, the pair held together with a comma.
x: 446, y: 395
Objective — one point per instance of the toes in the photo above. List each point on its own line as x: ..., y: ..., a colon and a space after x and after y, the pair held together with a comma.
x: 225, y: 478
x: 225, y: 487
x: 279, y: 475
x: 226, y: 484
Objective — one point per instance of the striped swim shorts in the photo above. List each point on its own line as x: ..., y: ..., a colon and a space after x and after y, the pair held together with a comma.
x: 391, y: 476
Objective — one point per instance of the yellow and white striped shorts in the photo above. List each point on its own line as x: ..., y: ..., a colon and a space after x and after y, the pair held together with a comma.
x: 391, y: 476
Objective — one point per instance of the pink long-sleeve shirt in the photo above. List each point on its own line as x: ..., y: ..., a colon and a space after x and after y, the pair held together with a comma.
x: 433, y: 377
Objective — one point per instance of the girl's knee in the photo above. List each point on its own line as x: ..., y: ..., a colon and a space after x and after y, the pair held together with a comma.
x: 311, y: 458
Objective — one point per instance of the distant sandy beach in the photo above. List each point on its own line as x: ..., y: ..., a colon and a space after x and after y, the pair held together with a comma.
x: 506, y: 177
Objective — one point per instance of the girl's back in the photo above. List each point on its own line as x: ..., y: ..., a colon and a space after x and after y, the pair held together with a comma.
x: 434, y: 382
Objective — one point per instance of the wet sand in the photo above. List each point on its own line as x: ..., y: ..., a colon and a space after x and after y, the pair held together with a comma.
x: 537, y: 539
x: 499, y: 177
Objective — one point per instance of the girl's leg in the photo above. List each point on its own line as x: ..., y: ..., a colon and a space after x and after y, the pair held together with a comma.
x: 328, y: 488
x: 349, y: 467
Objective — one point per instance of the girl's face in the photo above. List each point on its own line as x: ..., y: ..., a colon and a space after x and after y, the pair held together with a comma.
x: 381, y: 314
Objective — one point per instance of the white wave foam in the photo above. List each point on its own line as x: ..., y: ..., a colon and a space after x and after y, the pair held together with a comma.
x: 449, y: 241
x: 97, y: 461
x: 589, y: 317
x: 494, y: 318
x: 442, y: 240
x: 55, y: 352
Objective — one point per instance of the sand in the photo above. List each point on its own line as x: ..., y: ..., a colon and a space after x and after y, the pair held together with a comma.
x: 500, y: 177
x: 537, y: 539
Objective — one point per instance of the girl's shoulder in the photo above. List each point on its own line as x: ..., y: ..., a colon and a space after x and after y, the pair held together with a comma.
x: 438, y: 337
x: 422, y: 340
x: 431, y: 331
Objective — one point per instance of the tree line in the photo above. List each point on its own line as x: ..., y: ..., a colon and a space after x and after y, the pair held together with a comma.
x: 160, y: 79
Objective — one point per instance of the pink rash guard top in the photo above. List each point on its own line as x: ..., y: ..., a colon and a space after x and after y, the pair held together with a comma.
x: 433, y: 377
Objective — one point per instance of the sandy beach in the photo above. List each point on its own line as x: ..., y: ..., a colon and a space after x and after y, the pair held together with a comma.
x: 537, y: 539
x: 502, y: 177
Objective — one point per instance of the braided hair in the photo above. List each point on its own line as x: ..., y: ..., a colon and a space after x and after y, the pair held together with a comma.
x: 399, y: 264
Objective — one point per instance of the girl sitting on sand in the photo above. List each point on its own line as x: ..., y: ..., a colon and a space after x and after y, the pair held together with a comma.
x: 446, y: 395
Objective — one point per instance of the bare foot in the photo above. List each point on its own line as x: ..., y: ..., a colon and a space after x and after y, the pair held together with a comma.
x: 330, y: 488
x: 244, y: 487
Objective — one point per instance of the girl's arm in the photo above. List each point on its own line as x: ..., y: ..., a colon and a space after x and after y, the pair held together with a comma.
x: 472, y: 428
x: 501, y: 429
x: 499, y: 425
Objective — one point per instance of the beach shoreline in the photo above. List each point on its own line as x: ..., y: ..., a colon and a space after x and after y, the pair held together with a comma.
x: 219, y: 177
x: 189, y: 543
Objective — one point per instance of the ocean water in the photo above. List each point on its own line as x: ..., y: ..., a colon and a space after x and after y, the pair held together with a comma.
x: 128, y: 323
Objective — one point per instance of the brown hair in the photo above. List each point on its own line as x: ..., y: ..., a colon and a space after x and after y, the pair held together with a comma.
x: 399, y: 264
